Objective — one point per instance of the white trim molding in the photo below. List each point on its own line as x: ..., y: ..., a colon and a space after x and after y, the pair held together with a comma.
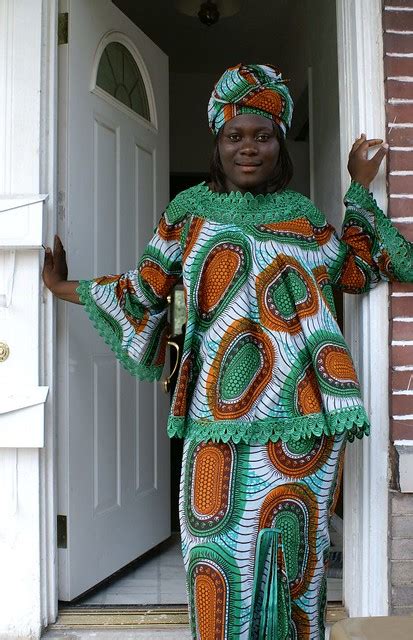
x: 366, y: 491
x: 404, y: 449
x: 28, y: 52
x: 21, y: 221
x: 22, y: 417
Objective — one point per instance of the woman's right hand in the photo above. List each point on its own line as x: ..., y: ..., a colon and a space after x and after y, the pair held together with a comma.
x: 55, y: 273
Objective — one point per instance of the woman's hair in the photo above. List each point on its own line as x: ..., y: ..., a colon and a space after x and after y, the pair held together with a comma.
x: 282, y: 174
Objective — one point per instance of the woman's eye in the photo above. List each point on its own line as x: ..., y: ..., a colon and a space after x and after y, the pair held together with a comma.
x: 263, y: 137
x: 234, y: 137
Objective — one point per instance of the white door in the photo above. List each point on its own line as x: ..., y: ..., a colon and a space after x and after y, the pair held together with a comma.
x: 113, y: 451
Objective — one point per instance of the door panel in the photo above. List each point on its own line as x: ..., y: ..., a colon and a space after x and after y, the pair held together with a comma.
x: 113, y: 450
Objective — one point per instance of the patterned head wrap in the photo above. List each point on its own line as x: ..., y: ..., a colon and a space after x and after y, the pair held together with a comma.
x: 252, y: 88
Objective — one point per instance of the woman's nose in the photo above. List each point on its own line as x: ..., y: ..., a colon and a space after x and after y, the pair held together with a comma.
x: 249, y: 147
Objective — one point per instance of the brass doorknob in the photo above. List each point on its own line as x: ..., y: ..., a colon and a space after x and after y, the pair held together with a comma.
x: 4, y: 351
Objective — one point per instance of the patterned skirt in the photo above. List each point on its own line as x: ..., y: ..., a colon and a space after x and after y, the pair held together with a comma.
x: 255, y: 539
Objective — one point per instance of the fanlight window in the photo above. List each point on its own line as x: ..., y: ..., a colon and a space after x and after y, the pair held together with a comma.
x: 118, y: 75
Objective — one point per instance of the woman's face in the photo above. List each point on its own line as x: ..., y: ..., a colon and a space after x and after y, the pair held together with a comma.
x: 249, y: 150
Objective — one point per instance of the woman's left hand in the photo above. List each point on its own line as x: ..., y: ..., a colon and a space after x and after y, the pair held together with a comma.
x: 362, y: 169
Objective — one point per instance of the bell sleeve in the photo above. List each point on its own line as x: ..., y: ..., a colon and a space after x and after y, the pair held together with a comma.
x: 130, y: 310
x: 370, y: 248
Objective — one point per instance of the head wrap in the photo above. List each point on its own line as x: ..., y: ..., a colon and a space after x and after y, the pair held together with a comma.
x: 250, y: 88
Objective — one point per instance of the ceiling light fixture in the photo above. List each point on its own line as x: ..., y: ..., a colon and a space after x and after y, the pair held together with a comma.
x: 208, y: 11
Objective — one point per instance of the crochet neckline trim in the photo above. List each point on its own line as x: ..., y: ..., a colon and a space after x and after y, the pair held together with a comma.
x: 235, y: 196
x: 242, y: 208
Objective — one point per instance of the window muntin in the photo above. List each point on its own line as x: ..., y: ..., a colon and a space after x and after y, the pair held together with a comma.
x: 119, y: 75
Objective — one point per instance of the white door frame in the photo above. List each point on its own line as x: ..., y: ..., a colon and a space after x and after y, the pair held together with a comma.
x: 366, y: 489
x: 49, y: 182
x: 366, y: 495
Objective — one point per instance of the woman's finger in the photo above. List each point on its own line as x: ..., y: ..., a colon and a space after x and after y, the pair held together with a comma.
x: 380, y: 154
x: 363, y: 148
x: 358, y: 142
x: 374, y: 141
x: 48, y: 263
x: 59, y: 250
x: 363, y: 143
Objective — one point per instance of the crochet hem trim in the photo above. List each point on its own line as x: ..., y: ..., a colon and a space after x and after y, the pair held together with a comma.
x: 353, y: 420
x: 137, y: 369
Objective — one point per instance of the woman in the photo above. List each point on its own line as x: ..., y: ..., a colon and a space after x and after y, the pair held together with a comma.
x: 267, y: 395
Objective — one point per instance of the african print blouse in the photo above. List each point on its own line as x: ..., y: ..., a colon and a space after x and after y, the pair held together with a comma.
x: 263, y: 355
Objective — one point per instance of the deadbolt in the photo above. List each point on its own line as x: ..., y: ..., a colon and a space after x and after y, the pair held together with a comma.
x: 4, y: 351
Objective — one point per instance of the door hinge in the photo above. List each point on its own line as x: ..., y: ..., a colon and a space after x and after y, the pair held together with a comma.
x: 63, y: 28
x: 62, y: 532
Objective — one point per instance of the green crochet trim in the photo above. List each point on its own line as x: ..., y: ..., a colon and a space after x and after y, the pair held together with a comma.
x: 243, y: 209
x: 398, y: 248
x: 112, y: 340
x: 353, y: 420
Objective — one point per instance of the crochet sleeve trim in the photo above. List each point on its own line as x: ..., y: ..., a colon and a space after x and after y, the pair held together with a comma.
x: 399, y: 250
x: 104, y: 329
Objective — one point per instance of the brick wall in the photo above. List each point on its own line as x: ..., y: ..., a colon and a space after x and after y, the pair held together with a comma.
x: 398, y: 67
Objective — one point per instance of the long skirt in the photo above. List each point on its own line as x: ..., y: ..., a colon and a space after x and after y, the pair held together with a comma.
x: 255, y: 539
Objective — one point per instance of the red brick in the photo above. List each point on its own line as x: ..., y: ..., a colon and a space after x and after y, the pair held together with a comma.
x: 407, y: 231
x: 400, y: 160
x: 398, y: 20
x: 402, y: 356
x: 399, y: 89
x: 401, y: 380
x: 401, y: 287
x: 401, y: 405
x: 401, y: 429
x: 401, y: 184
x: 400, y: 137
x: 400, y: 207
x: 399, y: 112
x: 401, y: 307
x: 397, y: 3
x: 398, y: 43
x: 402, y: 331
x: 395, y: 66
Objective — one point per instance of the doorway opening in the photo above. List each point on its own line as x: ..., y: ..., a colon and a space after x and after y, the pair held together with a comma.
x: 305, y: 48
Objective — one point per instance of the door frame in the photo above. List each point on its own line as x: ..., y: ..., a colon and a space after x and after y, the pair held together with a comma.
x: 359, y: 29
x: 366, y: 488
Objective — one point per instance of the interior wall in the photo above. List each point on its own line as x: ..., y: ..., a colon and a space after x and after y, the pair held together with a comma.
x: 190, y: 138
x: 325, y: 110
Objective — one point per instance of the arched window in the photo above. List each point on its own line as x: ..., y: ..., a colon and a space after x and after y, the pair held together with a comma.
x: 119, y: 75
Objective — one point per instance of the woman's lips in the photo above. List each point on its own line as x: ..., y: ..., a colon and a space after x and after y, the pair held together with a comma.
x: 248, y: 168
